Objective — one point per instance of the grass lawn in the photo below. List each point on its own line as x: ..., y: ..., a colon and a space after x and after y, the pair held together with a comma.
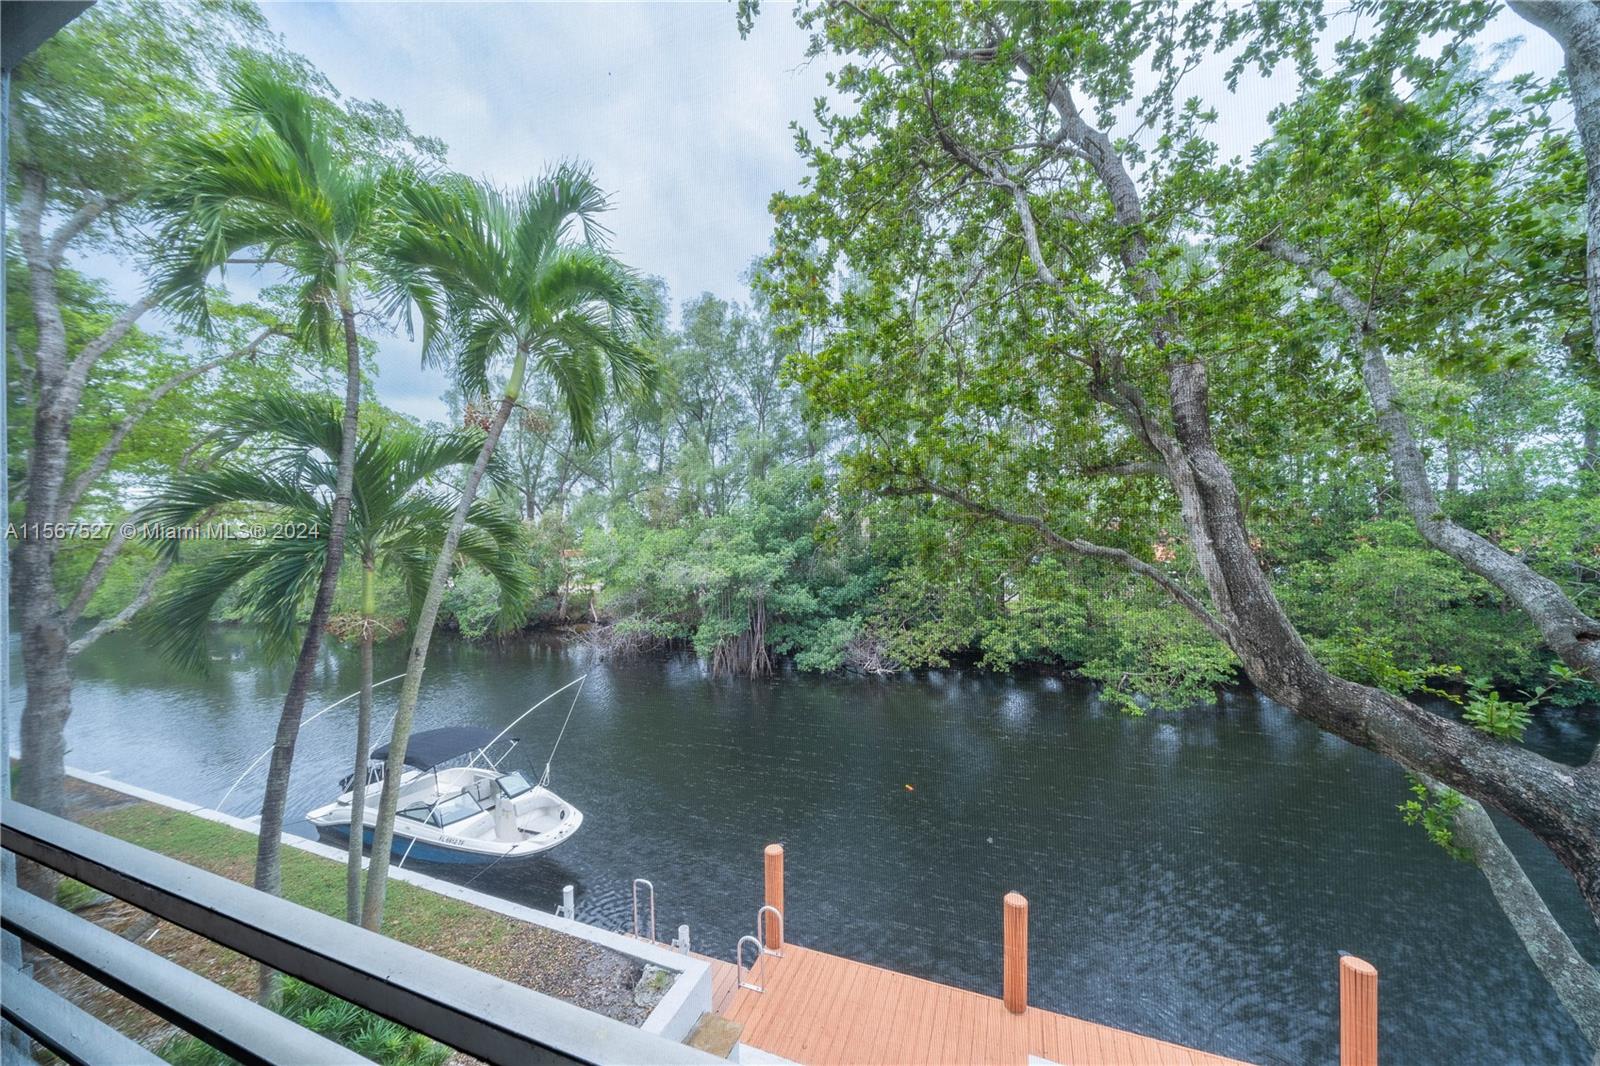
x: 569, y: 968
x: 449, y: 927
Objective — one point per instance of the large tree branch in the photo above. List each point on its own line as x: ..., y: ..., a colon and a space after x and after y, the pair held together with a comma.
x: 73, y: 227
x: 1559, y: 804
x: 108, y: 451
x: 1077, y: 546
x: 89, y: 354
x: 1128, y: 470
x: 1097, y: 148
x: 1569, y: 632
x: 1111, y: 384
x: 1575, y: 981
x: 997, y: 175
x: 96, y: 575
x: 1575, y: 24
x: 124, y: 616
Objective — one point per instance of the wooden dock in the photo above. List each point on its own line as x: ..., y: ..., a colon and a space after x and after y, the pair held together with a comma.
x: 819, y: 1009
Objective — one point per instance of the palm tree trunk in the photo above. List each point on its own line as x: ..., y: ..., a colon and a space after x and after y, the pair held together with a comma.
x: 416, y: 661
x: 269, y: 846
x: 358, y: 782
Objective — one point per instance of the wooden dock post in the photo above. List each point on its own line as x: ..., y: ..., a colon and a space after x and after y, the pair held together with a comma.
x: 774, y: 864
x: 1358, y: 1012
x: 1016, y: 953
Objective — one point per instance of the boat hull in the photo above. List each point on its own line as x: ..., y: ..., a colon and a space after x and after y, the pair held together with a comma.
x: 423, y: 851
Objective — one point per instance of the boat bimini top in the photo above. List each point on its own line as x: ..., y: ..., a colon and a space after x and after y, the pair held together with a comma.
x: 435, y: 747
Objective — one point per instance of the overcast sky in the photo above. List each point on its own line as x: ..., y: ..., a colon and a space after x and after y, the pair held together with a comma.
x: 685, y: 124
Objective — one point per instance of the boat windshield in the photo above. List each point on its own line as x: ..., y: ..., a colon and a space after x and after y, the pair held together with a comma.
x: 445, y: 812
x: 454, y: 809
x: 513, y: 784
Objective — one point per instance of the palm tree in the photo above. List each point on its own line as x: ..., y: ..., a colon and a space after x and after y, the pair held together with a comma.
x: 500, y: 275
x: 398, y: 521
x: 270, y: 187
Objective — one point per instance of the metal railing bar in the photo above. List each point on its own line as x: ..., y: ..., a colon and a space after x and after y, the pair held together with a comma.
x: 247, y: 1031
x: 484, y: 1016
x: 75, y: 1035
x: 637, y: 881
x: 761, y: 929
x: 738, y: 958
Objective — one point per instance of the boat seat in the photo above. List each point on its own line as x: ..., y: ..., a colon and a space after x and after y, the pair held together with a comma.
x: 505, y: 824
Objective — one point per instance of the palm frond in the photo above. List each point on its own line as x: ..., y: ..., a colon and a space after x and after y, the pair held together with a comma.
x: 176, y: 622
x: 493, y: 273
x: 511, y: 575
x: 565, y: 193
x: 257, y: 90
x: 285, y: 419
x: 279, y: 586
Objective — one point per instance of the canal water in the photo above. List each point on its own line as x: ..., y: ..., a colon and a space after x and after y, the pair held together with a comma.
x: 1190, y: 876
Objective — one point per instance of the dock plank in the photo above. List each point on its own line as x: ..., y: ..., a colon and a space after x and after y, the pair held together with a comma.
x: 836, y: 1028
x: 931, y: 1046
x: 824, y: 1010
x: 922, y: 1025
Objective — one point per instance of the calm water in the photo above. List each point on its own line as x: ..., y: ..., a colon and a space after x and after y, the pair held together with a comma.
x: 1190, y: 876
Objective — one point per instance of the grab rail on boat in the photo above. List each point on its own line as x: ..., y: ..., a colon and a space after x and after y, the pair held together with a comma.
x: 637, y: 881
x: 738, y: 958
x: 761, y: 929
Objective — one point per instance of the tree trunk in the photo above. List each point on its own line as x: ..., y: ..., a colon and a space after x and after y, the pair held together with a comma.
x: 1575, y: 981
x: 1575, y: 24
x: 34, y: 598
x: 42, y: 768
x: 1559, y: 804
x: 49, y: 679
x: 358, y: 782
x: 269, y: 845
x: 42, y: 624
x: 416, y: 660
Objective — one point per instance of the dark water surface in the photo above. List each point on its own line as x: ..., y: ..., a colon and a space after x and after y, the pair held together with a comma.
x: 1190, y: 876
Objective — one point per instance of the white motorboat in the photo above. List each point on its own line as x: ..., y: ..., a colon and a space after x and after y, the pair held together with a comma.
x: 457, y: 804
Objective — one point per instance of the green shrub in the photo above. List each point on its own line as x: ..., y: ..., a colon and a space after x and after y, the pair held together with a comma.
x: 74, y: 895
x: 361, y: 1031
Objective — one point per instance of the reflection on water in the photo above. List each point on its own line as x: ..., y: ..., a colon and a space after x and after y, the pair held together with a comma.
x: 1190, y: 876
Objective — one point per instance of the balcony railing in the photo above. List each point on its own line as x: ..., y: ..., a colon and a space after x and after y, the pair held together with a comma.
x: 476, y: 1013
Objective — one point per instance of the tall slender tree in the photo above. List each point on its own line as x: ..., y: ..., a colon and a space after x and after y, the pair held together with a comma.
x: 271, y: 188
x: 88, y: 114
x: 499, y: 275
x: 398, y: 519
